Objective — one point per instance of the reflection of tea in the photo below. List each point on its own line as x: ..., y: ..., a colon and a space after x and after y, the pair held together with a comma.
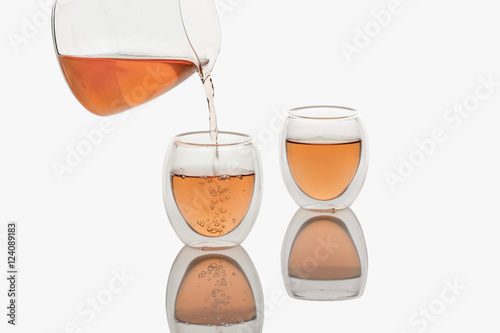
x: 323, y: 171
x: 215, y: 291
x: 324, y: 250
x: 106, y: 86
x: 213, y: 206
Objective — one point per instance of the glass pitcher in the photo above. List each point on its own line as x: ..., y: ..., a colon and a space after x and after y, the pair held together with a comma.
x: 117, y: 54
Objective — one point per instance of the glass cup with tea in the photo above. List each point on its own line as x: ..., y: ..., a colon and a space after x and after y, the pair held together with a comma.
x: 324, y: 156
x: 212, y: 189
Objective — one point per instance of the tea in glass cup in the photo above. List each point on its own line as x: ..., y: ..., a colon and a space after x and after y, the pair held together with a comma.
x: 212, y: 190
x: 324, y: 156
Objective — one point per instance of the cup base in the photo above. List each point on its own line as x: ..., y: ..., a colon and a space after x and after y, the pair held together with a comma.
x: 322, y: 207
x: 212, y: 245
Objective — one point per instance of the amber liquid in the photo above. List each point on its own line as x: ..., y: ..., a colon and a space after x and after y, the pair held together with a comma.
x: 324, y: 250
x: 213, y: 206
x: 106, y: 86
x: 215, y: 291
x: 212, y: 118
x: 323, y: 171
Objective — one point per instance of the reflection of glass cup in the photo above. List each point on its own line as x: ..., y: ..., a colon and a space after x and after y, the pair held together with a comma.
x: 323, y: 156
x: 324, y: 256
x: 213, y: 291
x: 212, y: 192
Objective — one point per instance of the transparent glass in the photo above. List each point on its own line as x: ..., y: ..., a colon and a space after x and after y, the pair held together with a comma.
x: 212, y: 192
x: 214, y: 291
x: 324, y: 256
x: 324, y: 156
x: 118, y: 54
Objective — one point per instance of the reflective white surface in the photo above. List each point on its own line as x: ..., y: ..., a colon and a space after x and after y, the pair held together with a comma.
x: 440, y: 225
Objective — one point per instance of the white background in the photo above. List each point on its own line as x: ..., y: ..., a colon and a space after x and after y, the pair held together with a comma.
x: 440, y: 224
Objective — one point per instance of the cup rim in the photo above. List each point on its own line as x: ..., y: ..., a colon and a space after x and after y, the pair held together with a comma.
x: 242, y: 139
x: 328, y: 112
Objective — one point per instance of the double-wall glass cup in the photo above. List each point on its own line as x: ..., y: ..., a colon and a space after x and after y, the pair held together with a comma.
x: 324, y: 156
x: 324, y: 256
x: 212, y: 191
x: 214, y: 291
